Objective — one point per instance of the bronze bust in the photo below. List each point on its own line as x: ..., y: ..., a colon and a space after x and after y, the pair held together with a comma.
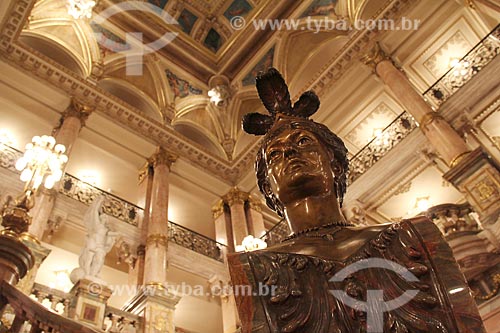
x: 319, y: 284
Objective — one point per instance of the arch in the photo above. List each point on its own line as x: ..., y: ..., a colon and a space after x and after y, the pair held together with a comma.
x: 192, y: 131
x: 54, y: 50
x: 316, y: 50
x: 131, y: 95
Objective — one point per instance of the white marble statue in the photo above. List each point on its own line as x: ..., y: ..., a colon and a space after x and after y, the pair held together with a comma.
x: 98, y: 242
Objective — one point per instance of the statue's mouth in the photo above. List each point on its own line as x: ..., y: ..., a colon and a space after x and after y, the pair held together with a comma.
x: 295, y: 165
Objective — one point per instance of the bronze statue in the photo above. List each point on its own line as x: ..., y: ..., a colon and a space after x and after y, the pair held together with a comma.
x: 329, y: 276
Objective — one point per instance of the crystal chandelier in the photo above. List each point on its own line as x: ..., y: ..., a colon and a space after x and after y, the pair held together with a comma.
x: 79, y: 9
x: 42, y: 163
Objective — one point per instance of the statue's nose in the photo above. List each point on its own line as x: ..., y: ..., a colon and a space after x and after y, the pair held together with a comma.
x: 290, y: 151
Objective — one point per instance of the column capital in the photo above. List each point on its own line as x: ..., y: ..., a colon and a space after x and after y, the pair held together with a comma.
x: 235, y: 196
x: 218, y: 209
x: 375, y: 56
x: 78, y: 110
x: 162, y: 157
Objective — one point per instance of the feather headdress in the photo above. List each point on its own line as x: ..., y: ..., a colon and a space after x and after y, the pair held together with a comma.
x: 274, y: 94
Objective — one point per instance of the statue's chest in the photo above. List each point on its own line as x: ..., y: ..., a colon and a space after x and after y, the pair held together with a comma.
x: 306, y: 293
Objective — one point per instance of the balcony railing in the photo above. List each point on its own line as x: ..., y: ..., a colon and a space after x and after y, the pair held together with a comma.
x: 403, y: 125
x: 277, y: 233
x: 194, y: 241
x: 120, y: 209
x: 28, y: 312
x: 481, y: 55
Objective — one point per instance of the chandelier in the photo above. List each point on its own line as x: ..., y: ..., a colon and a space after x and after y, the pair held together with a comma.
x: 80, y: 9
x: 42, y: 163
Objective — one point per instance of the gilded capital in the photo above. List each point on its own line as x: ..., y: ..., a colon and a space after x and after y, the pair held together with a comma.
x: 78, y: 110
x: 163, y: 157
x: 218, y: 209
x: 374, y: 56
x: 235, y: 196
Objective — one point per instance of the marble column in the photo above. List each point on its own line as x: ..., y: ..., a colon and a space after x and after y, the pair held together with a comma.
x: 235, y: 199
x: 136, y: 273
x: 440, y: 134
x: 255, y: 220
x: 222, y: 221
x: 155, y: 302
x: 224, y: 235
x: 230, y: 319
x: 66, y: 133
x: 157, y: 227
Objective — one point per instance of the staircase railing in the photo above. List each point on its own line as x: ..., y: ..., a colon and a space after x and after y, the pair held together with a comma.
x: 29, y: 312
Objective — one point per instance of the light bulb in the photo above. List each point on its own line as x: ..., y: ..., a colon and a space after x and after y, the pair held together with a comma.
x: 21, y: 163
x: 59, y: 148
x: 49, y: 182
x: 26, y: 175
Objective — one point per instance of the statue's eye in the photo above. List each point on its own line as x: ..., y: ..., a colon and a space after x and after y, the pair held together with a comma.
x: 274, y: 154
x: 304, y: 140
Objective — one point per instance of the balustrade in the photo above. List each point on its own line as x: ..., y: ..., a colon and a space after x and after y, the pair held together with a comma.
x: 393, y: 134
x: 195, y: 241
x: 477, y: 58
x: 118, y: 321
x: 30, y: 316
x: 277, y: 233
x: 452, y: 219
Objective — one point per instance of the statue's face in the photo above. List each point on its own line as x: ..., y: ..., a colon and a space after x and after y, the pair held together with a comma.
x: 298, y: 166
